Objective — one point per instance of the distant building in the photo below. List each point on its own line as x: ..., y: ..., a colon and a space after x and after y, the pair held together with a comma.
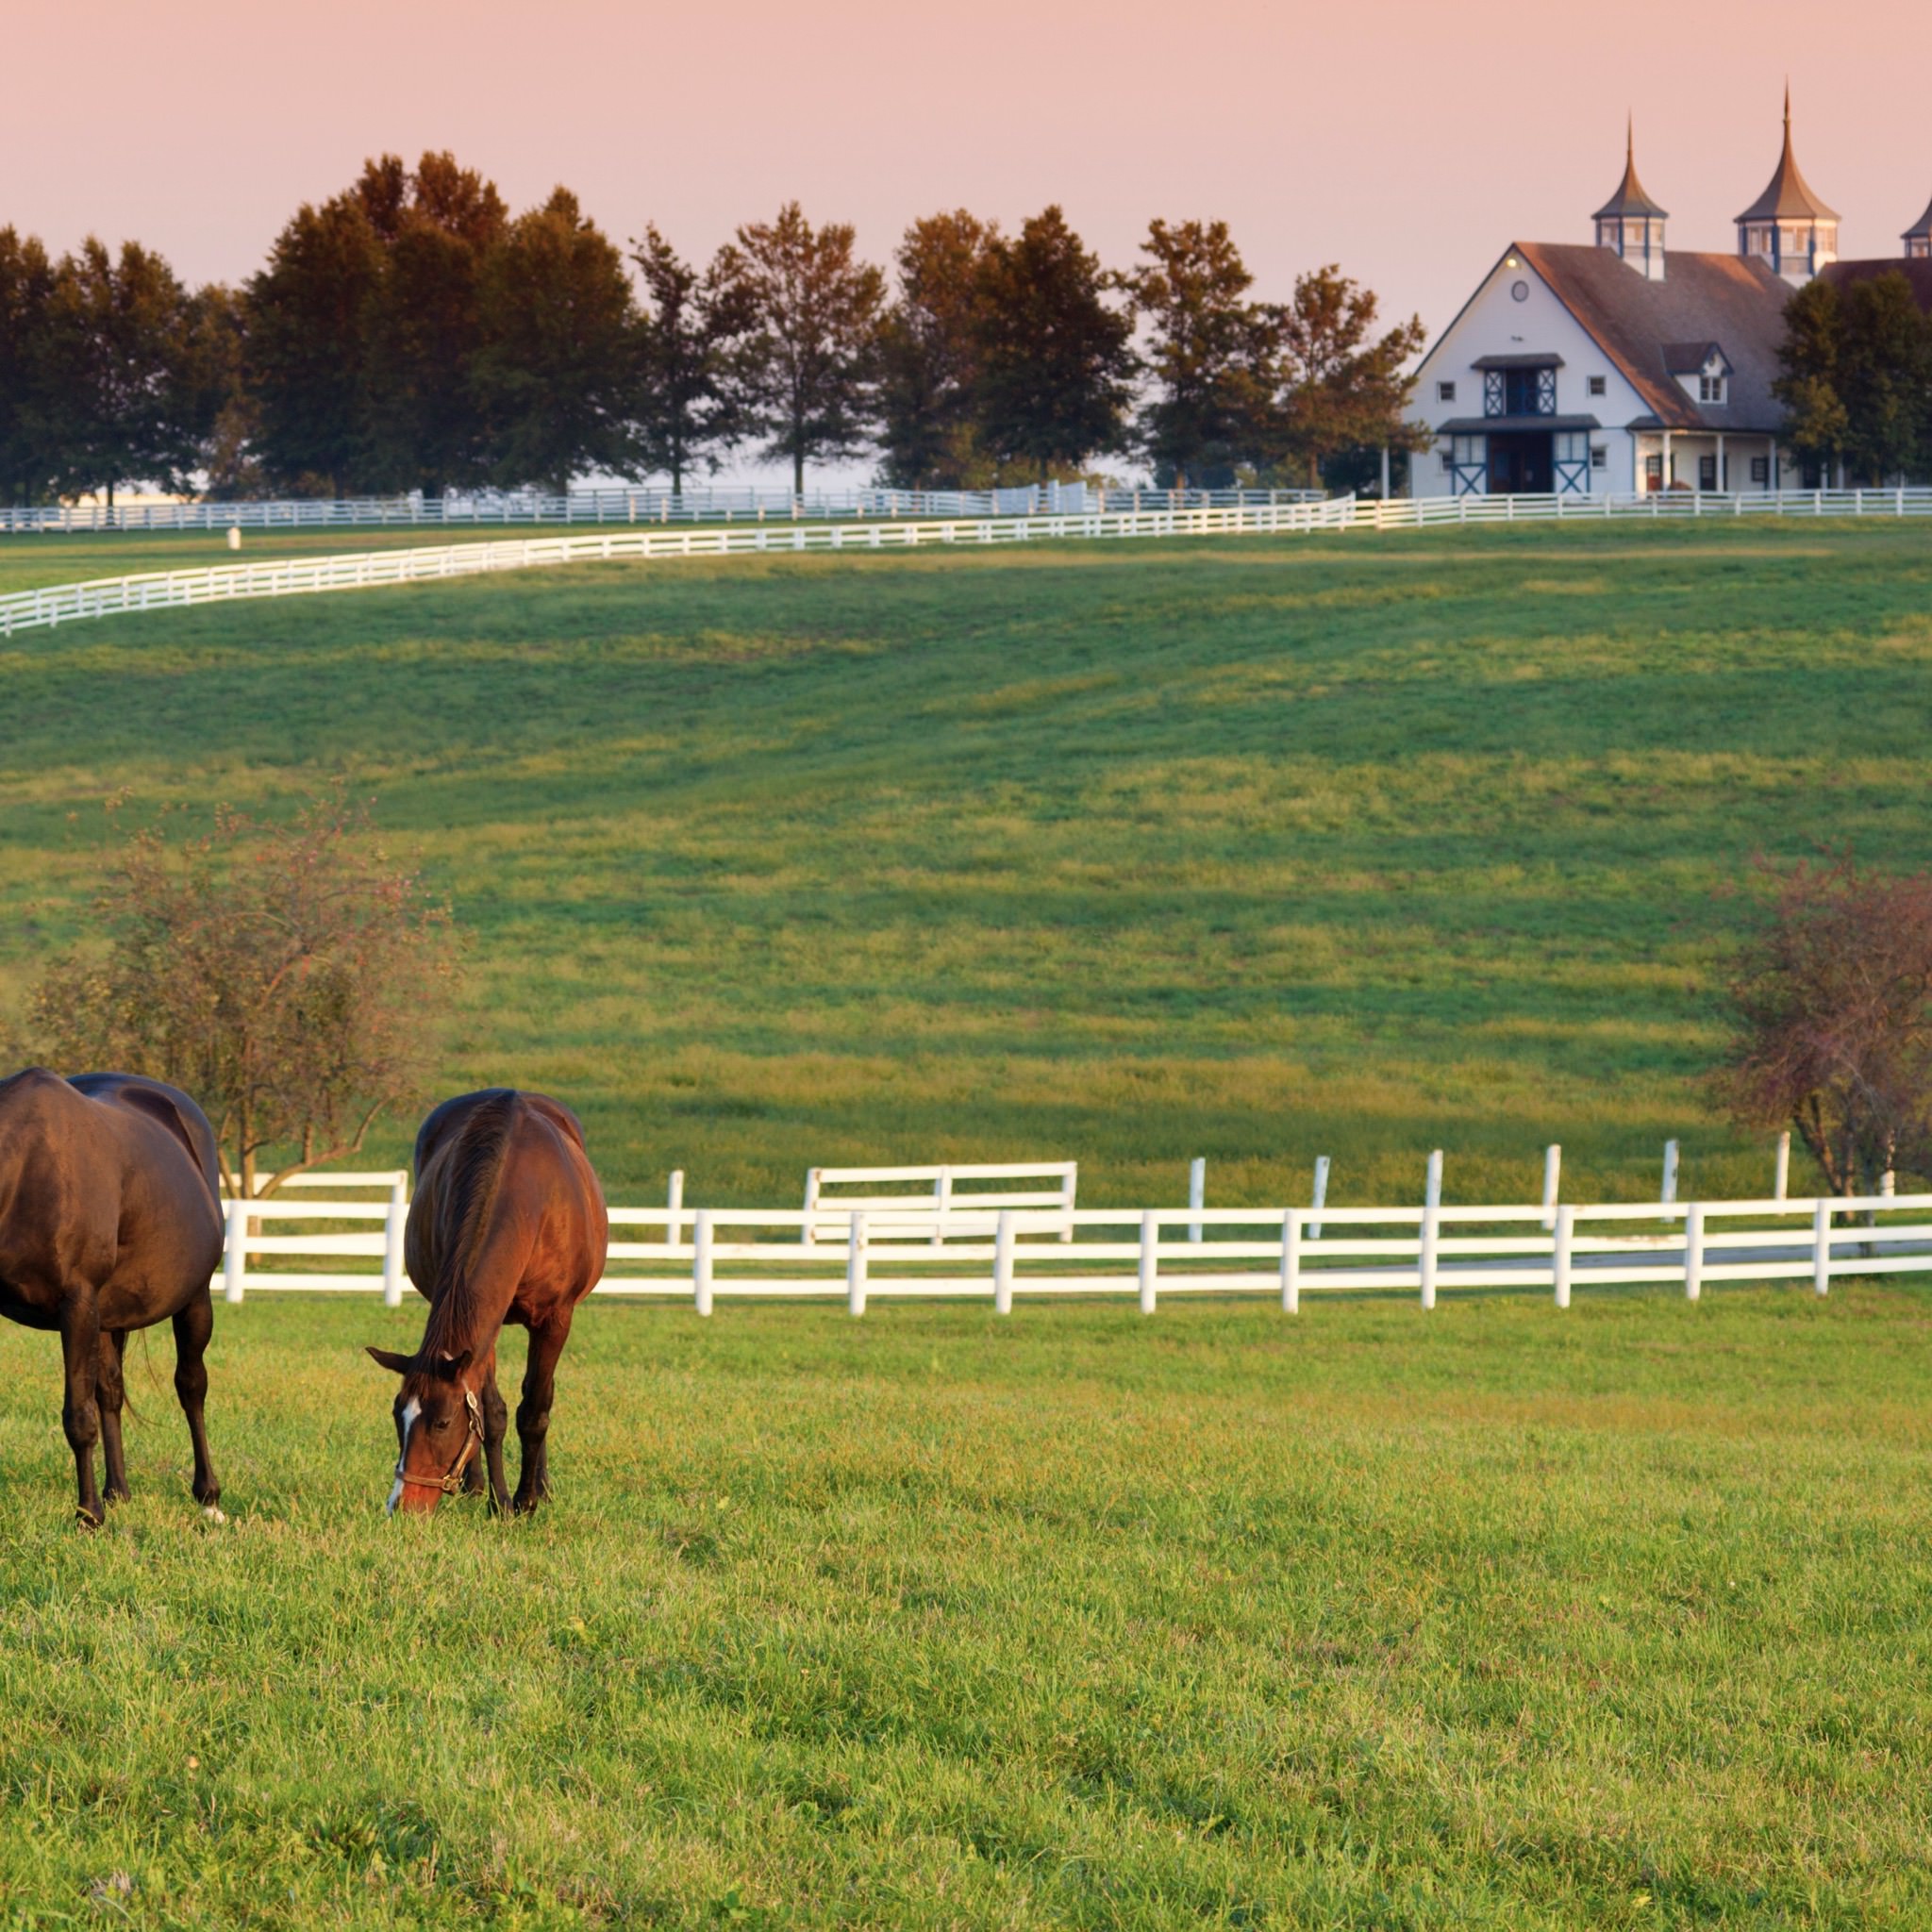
x: 1579, y: 370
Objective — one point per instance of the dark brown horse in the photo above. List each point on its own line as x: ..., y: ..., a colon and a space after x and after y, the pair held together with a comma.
x: 507, y: 1226
x: 110, y: 1219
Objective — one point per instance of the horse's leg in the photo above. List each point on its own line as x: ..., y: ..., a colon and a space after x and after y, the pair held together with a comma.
x: 193, y: 1326
x: 533, y: 1411
x: 495, y: 1428
x: 107, y: 1387
x: 81, y: 1415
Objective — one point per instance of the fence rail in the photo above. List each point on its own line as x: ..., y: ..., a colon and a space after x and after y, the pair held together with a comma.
x: 994, y: 1254
x: 59, y: 603
x: 624, y: 505
x: 1430, y: 512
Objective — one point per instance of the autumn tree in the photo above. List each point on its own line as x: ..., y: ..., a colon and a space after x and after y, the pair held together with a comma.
x: 289, y: 977
x: 555, y: 374
x: 1211, y: 353
x: 1343, y: 386
x: 929, y: 357
x: 804, y: 375
x: 1831, y: 1001
x: 1055, y: 360
x: 685, y: 404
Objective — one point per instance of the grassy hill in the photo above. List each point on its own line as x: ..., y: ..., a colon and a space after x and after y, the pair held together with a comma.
x: 1257, y: 849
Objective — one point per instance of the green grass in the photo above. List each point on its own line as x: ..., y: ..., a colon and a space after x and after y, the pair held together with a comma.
x: 1493, y: 1619
x: 1255, y: 849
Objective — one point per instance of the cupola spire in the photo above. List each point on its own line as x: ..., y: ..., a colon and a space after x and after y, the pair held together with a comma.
x: 1788, y: 227
x: 1631, y: 225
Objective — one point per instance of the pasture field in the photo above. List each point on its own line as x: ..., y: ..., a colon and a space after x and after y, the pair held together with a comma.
x: 1492, y: 1619
x: 1254, y: 848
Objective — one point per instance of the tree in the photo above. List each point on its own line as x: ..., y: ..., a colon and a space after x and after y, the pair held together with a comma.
x: 1831, y: 996
x: 1817, y: 425
x: 804, y: 375
x: 307, y: 327
x: 424, y: 326
x: 685, y: 406
x: 288, y: 976
x: 29, y: 460
x: 556, y: 375
x: 1344, y: 387
x: 1055, y: 358
x: 929, y: 356
x: 1885, y: 378
x: 1212, y: 357
x: 123, y: 402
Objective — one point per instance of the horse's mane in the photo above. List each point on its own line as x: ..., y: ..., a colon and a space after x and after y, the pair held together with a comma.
x: 472, y: 1171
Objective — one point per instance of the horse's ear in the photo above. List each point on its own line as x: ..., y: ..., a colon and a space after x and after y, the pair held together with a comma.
x: 388, y: 1358
x: 450, y: 1366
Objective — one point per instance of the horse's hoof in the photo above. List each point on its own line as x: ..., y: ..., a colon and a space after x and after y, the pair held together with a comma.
x: 214, y: 1512
x: 87, y: 1519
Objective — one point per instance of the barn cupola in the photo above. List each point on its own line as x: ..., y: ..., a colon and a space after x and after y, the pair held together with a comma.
x: 1918, y: 238
x: 1788, y: 227
x: 1630, y: 225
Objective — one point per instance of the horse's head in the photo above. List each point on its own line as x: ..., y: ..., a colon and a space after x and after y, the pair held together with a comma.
x: 439, y: 1428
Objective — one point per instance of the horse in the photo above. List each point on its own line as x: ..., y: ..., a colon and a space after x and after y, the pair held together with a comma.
x: 508, y: 1225
x: 110, y: 1219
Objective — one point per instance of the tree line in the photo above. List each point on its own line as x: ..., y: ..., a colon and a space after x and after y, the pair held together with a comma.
x: 1857, y: 384
x: 411, y: 333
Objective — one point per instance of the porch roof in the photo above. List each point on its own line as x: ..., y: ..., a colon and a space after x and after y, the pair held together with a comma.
x: 1505, y: 426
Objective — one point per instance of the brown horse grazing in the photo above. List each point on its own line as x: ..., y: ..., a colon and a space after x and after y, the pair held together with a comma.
x: 507, y: 1226
x: 110, y: 1219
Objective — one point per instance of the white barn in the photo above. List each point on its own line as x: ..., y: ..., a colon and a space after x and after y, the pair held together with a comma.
x: 1623, y: 366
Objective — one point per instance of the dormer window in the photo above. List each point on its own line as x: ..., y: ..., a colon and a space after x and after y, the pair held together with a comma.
x: 1711, y: 389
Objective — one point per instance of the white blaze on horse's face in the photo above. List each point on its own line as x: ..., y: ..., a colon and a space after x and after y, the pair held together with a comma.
x: 411, y: 1409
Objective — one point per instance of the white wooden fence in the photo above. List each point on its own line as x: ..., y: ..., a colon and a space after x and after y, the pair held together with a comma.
x: 297, y: 577
x: 58, y: 604
x: 702, y: 1253
x: 948, y: 1189
x: 621, y: 504
x: 1430, y: 512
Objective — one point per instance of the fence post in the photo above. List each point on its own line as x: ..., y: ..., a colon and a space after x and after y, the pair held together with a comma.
x: 1561, y: 1256
x: 1432, y: 1208
x: 1002, y: 1264
x: 1782, y: 1179
x: 1197, y: 1195
x: 1320, y: 1197
x: 673, y: 1206
x: 1149, y: 1260
x: 393, y: 1223
x: 1291, y: 1262
x: 1553, y: 1171
x: 1693, y: 1252
x: 237, y: 1261
x: 855, y: 1264
x: 1820, y: 1248
x: 943, y: 1204
x: 805, y: 1233
x: 701, y: 1262
x: 1069, y: 1181
x: 1670, y: 1192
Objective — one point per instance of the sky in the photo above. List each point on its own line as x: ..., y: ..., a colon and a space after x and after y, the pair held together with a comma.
x: 1410, y: 140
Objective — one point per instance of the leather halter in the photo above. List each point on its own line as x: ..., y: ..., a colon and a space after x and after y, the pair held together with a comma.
x: 451, y: 1482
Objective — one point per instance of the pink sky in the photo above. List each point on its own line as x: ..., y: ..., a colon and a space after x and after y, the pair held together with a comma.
x: 1407, y: 141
